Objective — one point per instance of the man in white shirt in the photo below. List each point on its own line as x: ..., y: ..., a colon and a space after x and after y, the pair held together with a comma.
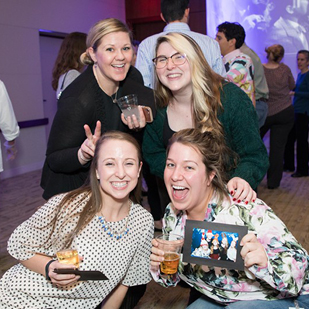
x: 8, y: 124
x: 176, y: 14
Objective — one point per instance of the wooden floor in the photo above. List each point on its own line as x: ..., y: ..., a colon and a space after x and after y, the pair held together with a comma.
x: 20, y: 196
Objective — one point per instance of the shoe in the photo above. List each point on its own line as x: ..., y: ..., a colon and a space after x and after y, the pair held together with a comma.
x: 272, y: 187
x: 287, y: 170
x: 297, y: 175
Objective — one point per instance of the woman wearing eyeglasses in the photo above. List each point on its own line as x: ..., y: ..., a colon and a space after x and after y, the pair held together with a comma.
x: 191, y: 95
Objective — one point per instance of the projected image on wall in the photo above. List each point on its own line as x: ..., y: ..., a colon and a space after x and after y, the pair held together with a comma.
x: 266, y: 22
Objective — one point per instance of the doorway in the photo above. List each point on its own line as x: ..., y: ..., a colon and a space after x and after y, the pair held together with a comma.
x: 50, y: 43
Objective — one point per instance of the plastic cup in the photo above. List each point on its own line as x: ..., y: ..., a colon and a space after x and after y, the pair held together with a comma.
x: 171, y: 244
x: 129, y: 105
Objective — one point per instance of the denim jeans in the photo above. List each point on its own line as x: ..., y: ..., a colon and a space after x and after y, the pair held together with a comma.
x: 261, y: 108
x: 205, y: 302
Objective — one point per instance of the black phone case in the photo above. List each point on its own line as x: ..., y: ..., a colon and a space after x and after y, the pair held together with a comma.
x: 85, y: 275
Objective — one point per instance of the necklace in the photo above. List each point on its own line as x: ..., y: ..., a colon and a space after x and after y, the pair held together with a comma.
x: 110, y: 231
x: 114, y: 99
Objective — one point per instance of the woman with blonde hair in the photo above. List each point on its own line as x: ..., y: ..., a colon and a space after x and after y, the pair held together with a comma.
x: 90, y: 102
x: 280, y: 118
x: 103, y: 221
x: 68, y: 65
x: 192, y: 95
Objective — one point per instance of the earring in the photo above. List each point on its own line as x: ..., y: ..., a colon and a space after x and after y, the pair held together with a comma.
x: 95, y: 65
x: 97, y: 174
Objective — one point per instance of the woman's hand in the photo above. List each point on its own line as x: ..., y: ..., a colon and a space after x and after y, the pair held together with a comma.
x: 86, y: 151
x: 252, y: 252
x: 156, y: 257
x: 241, y: 190
x: 61, y: 280
x: 132, y: 122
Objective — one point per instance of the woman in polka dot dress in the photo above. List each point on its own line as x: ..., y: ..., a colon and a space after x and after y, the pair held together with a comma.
x: 112, y: 234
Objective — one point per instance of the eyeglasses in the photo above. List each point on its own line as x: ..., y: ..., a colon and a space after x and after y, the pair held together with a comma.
x: 161, y: 61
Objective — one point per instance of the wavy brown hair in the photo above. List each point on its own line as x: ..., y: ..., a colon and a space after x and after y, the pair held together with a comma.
x: 216, y: 155
x: 206, y: 84
x: 73, y: 45
x: 92, y: 190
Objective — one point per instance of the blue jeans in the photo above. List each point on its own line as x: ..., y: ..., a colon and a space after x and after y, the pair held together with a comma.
x: 261, y: 108
x: 205, y: 302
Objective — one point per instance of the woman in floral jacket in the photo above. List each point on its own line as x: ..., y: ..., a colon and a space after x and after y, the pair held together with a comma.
x: 276, y: 266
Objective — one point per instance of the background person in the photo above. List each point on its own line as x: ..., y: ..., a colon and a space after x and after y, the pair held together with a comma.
x: 90, y: 100
x: 90, y: 213
x: 260, y: 84
x: 239, y: 66
x: 191, y: 95
x: 280, y: 117
x: 68, y: 65
x: 276, y: 266
x: 300, y: 129
x: 8, y: 125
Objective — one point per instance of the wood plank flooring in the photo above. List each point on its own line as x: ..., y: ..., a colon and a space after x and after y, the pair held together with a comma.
x: 20, y: 196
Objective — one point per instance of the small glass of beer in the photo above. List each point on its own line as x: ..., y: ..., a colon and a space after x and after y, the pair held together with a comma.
x: 65, y: 254
x: 171, y: 244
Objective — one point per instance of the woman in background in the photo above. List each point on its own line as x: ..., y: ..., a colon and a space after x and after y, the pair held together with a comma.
x: 280, y: 118
x: 68, y: 65
x: 110, y: 230
x: 276, y: 269
x: 301, y: 126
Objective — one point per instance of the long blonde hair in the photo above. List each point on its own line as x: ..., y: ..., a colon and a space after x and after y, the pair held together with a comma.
x: 206, y: 84
x: 98, y: 31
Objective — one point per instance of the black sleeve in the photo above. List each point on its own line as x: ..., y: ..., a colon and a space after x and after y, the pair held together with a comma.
x: 67, y: 134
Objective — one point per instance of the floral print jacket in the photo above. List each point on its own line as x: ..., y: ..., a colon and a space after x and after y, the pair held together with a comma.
x: 285, y: 276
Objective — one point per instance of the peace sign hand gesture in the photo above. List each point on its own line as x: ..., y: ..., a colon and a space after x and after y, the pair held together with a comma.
x: 86, y: 151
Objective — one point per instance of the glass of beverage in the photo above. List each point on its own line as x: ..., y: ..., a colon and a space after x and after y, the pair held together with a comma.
x: 171, y: 244
x: 128, y: 105
x: 66, y: 254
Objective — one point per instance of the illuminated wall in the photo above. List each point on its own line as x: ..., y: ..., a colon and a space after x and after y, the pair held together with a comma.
x: 266, y: 22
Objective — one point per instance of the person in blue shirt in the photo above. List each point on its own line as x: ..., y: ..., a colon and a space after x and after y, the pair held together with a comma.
x: 301, y: 125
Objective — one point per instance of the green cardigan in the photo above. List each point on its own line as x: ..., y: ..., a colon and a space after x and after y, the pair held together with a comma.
x: 240, y: 124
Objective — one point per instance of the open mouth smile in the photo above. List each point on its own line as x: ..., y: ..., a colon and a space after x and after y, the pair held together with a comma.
x: 179, y: 192
x: 119, y: 184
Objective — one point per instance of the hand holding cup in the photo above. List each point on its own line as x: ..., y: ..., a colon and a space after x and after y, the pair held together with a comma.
x: 171, y: 245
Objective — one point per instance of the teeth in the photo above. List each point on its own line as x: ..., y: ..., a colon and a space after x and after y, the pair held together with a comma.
x: 119, y: 184
x: 173, y: 75
x: 118, y: 65
x: 178, y: 188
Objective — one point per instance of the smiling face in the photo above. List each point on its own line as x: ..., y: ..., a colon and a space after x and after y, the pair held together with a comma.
x: 176, y: 78
x: 118, y: 169
x: 186, y: 180
x: 113, y: 57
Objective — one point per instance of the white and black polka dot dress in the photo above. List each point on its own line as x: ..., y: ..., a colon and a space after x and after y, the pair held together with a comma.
x: 125, y: 260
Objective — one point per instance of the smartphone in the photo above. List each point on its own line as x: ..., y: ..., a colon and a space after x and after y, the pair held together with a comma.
x: 84, y: 274
x: 148, y: 113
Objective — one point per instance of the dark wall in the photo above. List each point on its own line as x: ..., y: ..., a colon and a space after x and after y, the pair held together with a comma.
x: 143, y: 17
